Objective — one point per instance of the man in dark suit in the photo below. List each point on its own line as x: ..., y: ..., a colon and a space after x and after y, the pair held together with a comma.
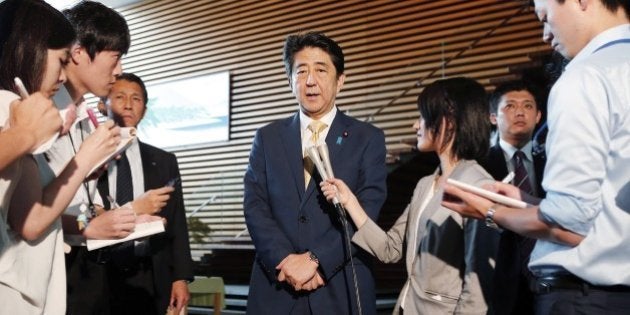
x: 514, y: 109
x: 302, y: 264
x: 148, y: 276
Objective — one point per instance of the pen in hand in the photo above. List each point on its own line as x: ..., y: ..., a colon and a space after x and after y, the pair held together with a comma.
x: 92, y: 117
x: 21, y: 88
x: 508, y: 178
x: 113, y: 204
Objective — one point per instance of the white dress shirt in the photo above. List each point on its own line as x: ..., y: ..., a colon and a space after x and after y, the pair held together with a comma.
x: 587, y: 176
x: 307, y: 133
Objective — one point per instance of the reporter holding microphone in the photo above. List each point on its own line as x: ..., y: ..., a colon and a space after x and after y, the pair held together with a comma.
x: 448, y: 257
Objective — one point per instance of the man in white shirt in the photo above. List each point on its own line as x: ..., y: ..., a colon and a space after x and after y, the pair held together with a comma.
x: 581, y: 258
x: 95, y: 61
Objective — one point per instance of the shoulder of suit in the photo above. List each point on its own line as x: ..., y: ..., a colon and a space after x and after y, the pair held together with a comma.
x: 153, y: 150
x: 352, y: 123
x: 276, y: 124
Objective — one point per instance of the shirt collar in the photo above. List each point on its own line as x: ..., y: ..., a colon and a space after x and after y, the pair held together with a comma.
x: 620, y: 31
x: 327, y: 118
x: 510, y: 149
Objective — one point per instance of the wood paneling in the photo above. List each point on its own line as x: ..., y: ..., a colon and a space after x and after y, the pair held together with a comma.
x: 392, y: 48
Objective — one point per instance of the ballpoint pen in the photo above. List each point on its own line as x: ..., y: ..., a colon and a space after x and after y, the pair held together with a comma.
x: 508, y: 178
x: 92, y: 117
x: 113, y: 204
x: 21, y: 88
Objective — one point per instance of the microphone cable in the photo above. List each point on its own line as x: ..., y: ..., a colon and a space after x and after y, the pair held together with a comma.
x: 344, y: 222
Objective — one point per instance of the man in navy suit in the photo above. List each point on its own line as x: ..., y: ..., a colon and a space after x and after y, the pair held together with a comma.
x: 514, y: 109
x: 302, y: 264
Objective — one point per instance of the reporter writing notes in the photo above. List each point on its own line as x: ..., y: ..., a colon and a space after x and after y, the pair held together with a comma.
x: 581, y: 259
x: 302, y: 265
x: 448, y: 257
x: 32, y: 275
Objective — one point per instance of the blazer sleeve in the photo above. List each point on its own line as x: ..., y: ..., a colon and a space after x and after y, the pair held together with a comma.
x: 371, y: 191
x: 182, y: 260
x: 271, y: 244
x: 480, y: 247
x: 386, y: 246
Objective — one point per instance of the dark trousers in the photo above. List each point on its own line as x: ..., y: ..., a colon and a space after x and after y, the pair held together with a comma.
x: 512, y: 295
x: 566, y: 294
x: 98, y: 286
x: 589, y: 302
x: 132, y: 289
x: 87, y: 285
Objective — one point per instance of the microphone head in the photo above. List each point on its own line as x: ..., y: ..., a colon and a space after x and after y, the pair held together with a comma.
x: 315, y: 158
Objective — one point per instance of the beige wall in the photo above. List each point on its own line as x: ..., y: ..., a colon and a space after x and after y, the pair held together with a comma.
x: 393, y: 49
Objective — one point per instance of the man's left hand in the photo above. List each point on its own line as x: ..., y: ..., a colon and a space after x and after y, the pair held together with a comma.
x: 297, y: 270
x: 179, y: 295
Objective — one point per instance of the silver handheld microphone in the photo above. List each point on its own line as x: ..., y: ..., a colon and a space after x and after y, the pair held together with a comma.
x: 325, y: 156
x: 314, y: 155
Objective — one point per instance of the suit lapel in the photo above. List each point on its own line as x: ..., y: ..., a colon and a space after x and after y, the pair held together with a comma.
x: 149, y: 166
x: 335, y: 136
x: 496, y: 161
x: 292, y: 142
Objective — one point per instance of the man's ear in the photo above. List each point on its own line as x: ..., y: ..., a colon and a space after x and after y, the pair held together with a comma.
x: 290, y: 84
x: 77, y: 54
x: 493, y: 118
x: 538, y: 116
x: 340, y: 81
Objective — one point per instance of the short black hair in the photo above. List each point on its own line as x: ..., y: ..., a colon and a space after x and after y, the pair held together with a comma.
x: 460, y: 102
x: 134, y: 78
x: 295, y: 43
x: 613, y: 5
x: 502, y: 89
x: 28, y: 28
x: 99, y: 28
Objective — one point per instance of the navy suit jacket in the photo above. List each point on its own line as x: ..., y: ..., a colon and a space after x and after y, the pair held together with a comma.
x: 170, y: 251
x: 512, y: 294
x: 283, y: 218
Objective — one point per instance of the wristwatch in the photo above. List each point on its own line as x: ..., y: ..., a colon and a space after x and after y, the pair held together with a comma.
x: 312, y: 257
x: 490, y: 218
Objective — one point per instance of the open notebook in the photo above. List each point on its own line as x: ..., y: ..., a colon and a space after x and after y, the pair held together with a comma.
x: 127, y: 134
x: 141, y: 230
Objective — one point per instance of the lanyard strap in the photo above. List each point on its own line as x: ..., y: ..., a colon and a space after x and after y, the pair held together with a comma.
x: 614, y: 42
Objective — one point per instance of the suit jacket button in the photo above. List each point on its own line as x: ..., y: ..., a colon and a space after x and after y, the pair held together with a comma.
x: 303, y: 219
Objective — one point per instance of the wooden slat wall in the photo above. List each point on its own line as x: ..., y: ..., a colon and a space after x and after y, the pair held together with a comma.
x: 389, y: 47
